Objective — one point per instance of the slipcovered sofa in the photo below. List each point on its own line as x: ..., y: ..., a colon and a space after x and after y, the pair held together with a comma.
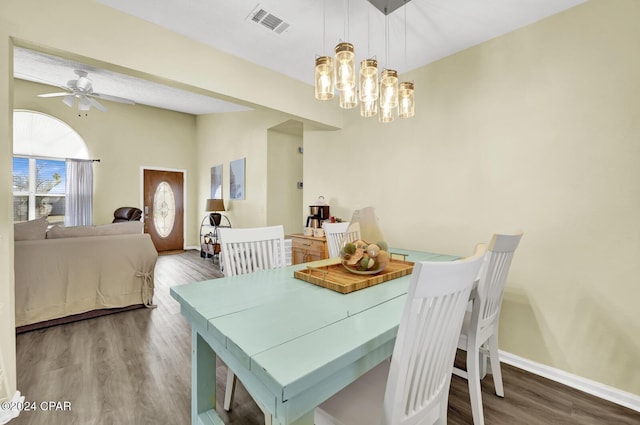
x: 67, y: 272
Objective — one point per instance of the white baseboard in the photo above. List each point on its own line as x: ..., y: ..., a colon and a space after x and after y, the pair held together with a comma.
x: 588, y: 386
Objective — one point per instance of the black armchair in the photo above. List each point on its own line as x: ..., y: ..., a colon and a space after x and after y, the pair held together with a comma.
x: 127, y: 214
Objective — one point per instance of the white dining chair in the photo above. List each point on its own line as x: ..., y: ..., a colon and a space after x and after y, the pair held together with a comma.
x: 251, y: 249
x: 479, y: 335
x: 335, y: 234
x: 413, y: 387
x: 246, y: 251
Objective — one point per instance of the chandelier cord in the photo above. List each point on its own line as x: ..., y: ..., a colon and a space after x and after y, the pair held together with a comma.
x: 368, y: 32
x: 386, y: 38
x: 324, y: 25
x: 346, y: 21
x: 405, y: 36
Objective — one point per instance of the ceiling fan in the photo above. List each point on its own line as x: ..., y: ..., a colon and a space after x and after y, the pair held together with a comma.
x: 82, y: 89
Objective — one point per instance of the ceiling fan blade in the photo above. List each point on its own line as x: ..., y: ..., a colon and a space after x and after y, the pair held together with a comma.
x: 82, y: 88
x: 96, y: 104
x: 54, y: 94
x: 113, y: 98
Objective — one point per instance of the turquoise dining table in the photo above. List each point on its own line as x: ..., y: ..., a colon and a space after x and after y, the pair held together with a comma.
x: 292, y: 344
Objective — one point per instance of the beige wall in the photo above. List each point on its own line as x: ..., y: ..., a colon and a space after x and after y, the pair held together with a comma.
x: 226, y: 137
x: 144, y: 50
x: 7, y: 305
x: 125, y: 138
x: 284, y: 170
x: 537, y: 130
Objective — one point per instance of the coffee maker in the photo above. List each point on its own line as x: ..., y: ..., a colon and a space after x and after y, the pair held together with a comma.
x: 318, y: 214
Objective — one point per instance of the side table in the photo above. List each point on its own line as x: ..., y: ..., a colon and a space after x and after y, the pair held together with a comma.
x: 209, y: 245
x: 307, y: 248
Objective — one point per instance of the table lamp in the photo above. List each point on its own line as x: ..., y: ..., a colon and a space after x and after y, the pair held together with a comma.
x: 213, y: 206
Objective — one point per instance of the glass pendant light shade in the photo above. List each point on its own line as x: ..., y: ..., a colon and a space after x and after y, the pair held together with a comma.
x: 378, y: 94
x: 348, y: 98
x: 389, y: 89
x: 386, y: 114
x: 324, y: 78
x: 368, y: 108
x: 369, y: 80
x: 345, y: 66
x: 406, y: 105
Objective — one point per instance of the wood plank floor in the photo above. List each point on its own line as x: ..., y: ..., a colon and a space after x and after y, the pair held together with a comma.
x: 135, y: 368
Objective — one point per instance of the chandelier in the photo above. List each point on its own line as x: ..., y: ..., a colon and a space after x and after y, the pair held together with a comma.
x: 379, y: 94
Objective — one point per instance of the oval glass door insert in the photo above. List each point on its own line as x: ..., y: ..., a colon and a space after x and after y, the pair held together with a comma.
x: 164, y: 209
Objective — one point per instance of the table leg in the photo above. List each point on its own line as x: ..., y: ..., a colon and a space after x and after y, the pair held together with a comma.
x: 203, y: 377
x: 307, y: 419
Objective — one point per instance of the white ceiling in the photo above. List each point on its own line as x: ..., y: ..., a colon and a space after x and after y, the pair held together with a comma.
x: 55, y: 71
x: 433, y: 29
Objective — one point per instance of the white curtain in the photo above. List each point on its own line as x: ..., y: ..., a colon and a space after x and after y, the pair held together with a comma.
x: 79, y: 202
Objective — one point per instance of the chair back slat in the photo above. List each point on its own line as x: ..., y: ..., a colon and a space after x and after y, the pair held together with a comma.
x: 249, y: 250
x: 339, y: 233
x: 351, y: 235
x: 422, y: 361
x: 333, y: 233
x: 493, y: 277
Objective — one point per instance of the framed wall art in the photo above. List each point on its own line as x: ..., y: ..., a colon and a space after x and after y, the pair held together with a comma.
x: 236, y: 179
x: 216, y: 182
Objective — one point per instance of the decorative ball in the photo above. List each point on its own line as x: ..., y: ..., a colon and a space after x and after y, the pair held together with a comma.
x: 365, y: 258
x: 373, y: 250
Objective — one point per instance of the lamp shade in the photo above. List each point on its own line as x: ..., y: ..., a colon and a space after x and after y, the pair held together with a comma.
x: 84, y: 104
x: 214, y: 205
x: 68, y: 100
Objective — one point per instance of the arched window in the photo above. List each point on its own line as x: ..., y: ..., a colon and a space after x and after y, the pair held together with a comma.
x: 41, y: 145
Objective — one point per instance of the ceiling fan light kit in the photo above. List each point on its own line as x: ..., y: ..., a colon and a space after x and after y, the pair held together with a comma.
x: 386, y: 93
x: 68, y: 100
x: 83, y: 84
x: 82, y: 89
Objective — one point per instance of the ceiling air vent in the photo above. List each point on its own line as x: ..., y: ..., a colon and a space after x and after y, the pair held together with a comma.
x: 268, y: 20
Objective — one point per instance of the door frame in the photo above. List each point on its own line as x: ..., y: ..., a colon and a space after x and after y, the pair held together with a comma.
x: 185, y: 218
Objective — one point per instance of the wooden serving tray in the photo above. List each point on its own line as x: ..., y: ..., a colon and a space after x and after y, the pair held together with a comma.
x: 339, y: 279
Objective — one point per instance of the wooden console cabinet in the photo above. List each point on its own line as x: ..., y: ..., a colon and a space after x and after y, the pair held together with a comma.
x: 307, y: 248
